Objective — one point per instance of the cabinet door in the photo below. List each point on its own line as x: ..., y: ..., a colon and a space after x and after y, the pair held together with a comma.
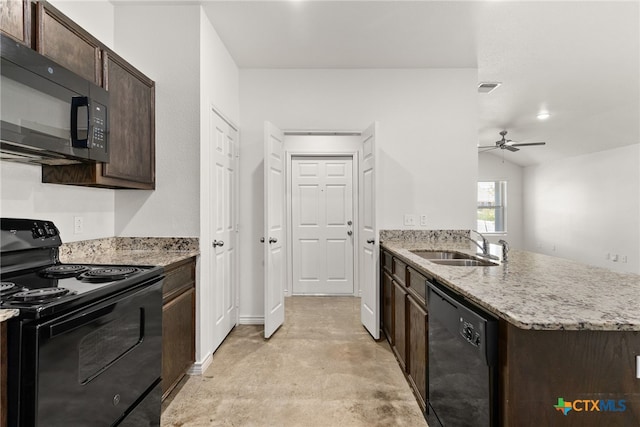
x: 62, y: 40
x: 387, y: 307
x: 400, y: 343
x: 15, y: 20
x: 417, y: 330
x: 178, y: 326
x: 131, y: 122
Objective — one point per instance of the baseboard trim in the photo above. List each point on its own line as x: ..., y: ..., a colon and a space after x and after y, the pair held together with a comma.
x: 251, y: 320
x: 199, y: 368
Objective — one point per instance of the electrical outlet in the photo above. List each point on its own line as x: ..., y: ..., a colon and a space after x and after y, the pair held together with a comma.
x: 410, y: 220
x: 423, y: 220
x: 614, y: 258
x: 78, y: 225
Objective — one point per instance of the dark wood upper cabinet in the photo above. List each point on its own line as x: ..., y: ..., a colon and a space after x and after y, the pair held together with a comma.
x: 15, y: 20
x: 131, y: 112
x: 132, y: 123
x: 62, y: 40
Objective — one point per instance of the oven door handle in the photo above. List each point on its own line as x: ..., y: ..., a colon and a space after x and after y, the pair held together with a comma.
x: 80, y: 320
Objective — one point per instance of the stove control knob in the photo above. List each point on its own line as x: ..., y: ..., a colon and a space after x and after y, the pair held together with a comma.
x: 116, y: 400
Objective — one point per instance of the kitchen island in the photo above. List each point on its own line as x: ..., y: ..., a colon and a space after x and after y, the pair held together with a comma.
x: 566, y: 331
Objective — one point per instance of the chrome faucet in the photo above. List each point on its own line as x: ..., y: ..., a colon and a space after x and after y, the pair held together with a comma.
x: 484, y: 247
x: 505, y: 250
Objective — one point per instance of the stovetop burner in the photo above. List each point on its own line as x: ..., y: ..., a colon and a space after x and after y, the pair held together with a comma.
x: 6, y: 286
x: 63, y: 270
x: 42, y: 294
x: 108, y: 274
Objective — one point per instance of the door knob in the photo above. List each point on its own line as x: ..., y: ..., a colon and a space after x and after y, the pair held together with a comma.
x: 349, y: 233
x: 272, y: 240
x: 371, y: 240
x: 349, y: 222
x: 262, y: 240
x: 217, y: 243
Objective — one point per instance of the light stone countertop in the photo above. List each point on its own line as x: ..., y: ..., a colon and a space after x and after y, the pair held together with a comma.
x: 535, y: 291
x: 130, y: 251
x: 6, y: 314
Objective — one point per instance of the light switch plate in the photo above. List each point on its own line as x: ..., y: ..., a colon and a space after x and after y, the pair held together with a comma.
x: 423, y: 219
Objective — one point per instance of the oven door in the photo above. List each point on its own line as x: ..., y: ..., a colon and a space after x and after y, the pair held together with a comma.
x: 95, y: 365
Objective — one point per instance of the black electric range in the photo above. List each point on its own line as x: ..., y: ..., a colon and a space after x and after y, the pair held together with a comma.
x: 86, y: 347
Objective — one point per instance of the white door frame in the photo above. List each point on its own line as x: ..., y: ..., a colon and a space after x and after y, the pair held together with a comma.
x: 288, y: 213
x: 205, y: 273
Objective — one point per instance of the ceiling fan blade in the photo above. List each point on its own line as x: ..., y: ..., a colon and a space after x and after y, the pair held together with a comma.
x: 487, y: 146
x: 525, y: 144
x: 510, y: 148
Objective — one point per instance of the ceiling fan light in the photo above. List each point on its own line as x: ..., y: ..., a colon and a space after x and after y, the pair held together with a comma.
x: 543, y: 115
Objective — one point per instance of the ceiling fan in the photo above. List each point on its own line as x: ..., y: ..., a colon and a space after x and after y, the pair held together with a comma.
x: 506, y: 144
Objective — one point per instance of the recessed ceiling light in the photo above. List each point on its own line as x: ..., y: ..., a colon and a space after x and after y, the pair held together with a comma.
x: 543, y: 115
x: 488, y: 87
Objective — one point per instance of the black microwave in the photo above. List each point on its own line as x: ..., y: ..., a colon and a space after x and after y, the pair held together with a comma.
x: 49, y: 115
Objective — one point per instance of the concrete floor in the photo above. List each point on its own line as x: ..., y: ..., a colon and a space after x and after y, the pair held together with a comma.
x: 321, y: 368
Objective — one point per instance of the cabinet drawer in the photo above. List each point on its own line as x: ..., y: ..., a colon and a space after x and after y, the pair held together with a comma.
x: 418, y: 283
x: 177, y: 277
x: 399, y: 271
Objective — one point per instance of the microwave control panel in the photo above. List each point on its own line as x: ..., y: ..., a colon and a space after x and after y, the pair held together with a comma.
x: 99, y: 135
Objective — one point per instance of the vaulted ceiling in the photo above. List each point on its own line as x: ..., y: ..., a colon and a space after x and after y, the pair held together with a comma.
x: 578, y: 60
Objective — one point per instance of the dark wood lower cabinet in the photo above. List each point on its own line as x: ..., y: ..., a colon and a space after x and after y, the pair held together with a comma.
x: 178, y: 323
x: 537, y: 368
x: 417, y: 330
x: 399, y: 324
x: 387, y: 307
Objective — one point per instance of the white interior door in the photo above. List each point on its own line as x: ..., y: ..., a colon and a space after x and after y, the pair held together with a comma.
x: 274, y: 237
x: 368, y: 247
x: 224, y: 143
x: 322, y: 225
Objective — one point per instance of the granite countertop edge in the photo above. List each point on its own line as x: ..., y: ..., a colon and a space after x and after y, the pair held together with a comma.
x: 6, y: 314
x: 534, y: 291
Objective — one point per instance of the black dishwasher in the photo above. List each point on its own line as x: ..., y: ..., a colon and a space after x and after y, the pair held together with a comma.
x: 463, y: 347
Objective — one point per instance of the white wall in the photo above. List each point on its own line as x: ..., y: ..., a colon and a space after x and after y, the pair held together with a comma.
x: 427, y: 144
x: 586, y: 207
x: 22, y: 193
x: 163, y: 40
x: 95, y: 16
x: 494, y: 168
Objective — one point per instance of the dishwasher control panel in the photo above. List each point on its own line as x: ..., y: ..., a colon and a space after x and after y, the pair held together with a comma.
x: 469, y: 332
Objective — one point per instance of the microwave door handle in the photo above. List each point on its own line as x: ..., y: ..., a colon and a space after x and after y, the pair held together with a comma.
x: 76, y: 103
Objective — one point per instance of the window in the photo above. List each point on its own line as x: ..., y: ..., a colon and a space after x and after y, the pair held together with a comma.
x: 492, y: 206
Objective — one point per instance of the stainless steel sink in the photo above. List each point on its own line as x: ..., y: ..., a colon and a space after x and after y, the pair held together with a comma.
x: 445, y: 255
x: 463, y: 262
